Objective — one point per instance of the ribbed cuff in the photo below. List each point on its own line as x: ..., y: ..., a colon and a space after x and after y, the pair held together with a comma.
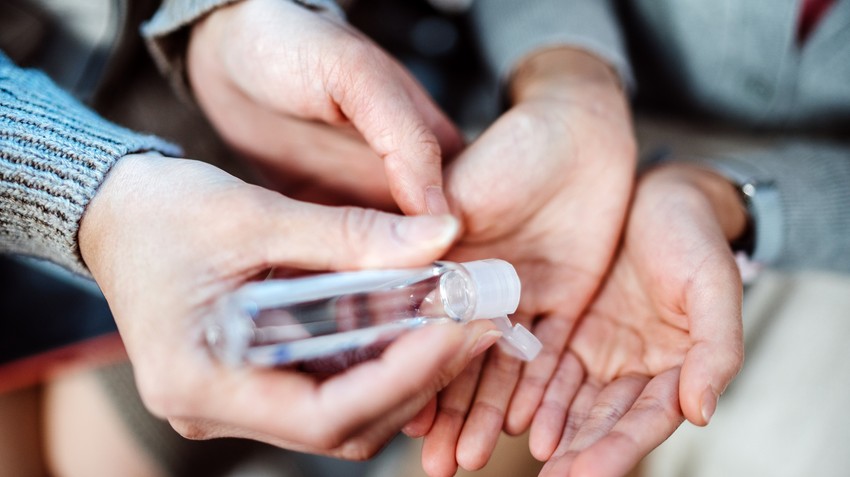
x: 167, y: 34
x: 54, y: 154
x: 764, y: 205
x: 510, y: 31
x: 807, y: 223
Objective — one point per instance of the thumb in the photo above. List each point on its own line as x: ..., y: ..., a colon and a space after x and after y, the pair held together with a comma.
x: 316, y: 237
x: 718, y: 353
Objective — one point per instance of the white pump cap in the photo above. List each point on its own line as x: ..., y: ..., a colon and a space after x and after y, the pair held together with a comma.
x: 516, y: 340
x: 497, y: 287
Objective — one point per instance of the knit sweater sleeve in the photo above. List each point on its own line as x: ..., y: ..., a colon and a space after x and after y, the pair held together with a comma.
x: 54, y: 154
x: 807, y: 224
x: 509, y: 31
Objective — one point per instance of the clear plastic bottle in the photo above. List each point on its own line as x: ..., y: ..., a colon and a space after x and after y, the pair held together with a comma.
x: 349, y: 316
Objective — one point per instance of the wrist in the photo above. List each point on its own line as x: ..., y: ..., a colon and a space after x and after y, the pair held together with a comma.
x: 562, y: 72
x: 722, y: 195
x: 98, y: 224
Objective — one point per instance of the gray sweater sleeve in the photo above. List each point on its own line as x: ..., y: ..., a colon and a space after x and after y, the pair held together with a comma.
x: 807, y: 225
x: 54, y: 154
x: 509, y: 30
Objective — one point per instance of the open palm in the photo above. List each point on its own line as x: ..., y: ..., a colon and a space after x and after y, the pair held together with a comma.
x: 659, y: 343
x: 544, y: 190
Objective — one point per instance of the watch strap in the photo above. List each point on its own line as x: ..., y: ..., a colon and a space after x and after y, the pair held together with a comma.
x: 764, y: 207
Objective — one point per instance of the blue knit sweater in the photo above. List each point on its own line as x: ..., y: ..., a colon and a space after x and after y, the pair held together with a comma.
x: 54, y: 154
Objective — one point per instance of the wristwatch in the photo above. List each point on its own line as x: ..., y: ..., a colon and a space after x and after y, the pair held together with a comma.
x: 763, y: 235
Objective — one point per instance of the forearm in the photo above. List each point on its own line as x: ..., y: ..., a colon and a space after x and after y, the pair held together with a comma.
x: 562, y: 73
x: 54, y: 154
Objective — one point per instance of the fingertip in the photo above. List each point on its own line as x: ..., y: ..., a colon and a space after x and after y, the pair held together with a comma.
x: 437, y: 467
x: 708, y: 404
x: 521, y: 410
x: 471, y: 461
x: 478, y: 442
x: 414, y: 174
x: 438, y: 457
x: 427, y: 231
x: 699, y: 407
x: 705, y: 374
x: 540, y: 445
x: 435, y: 200
x: 422, y: 422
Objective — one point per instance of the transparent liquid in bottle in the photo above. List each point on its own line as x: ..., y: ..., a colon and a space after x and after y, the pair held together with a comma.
x: 332, y: 321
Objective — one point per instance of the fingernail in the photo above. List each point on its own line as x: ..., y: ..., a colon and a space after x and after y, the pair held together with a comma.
x: 427, y: 230
x: 435, y: 201
x: 484, y: 342
x: 709, y: 404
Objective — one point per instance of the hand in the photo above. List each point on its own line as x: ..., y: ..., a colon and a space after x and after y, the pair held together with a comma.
x: 663, y: 337
x: 165, y: 237
x: 315, y: 103
x: 546, y: 188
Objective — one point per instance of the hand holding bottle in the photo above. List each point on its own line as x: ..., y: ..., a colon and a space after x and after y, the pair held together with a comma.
x: 329, y: 322
x: 164, y: 238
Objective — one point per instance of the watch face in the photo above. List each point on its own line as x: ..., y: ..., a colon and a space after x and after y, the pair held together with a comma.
x: 764, y: 207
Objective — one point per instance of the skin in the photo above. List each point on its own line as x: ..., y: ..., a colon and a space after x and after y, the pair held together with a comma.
x: 319, y: 108
x: 615, y: 331
x: 165, y: 237
x: 523, y: 190
x: 662, y: 339
x: 566, y: 142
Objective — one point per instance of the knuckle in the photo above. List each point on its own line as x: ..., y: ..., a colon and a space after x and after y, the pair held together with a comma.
x: 652, y: 405
x: 503, y: 365
x: 359, y: 450
x: 530, y: 126
x: 427, y: 147
x: 358, y: 51
x: 156, y: 398
x: 189, y: 429
x: 536, y: 383
x: 604, y: 416
x: 408, y: 147
x: 166, y: 397
x: 325, y: 437
x: 453, y: 413
x: 490, y: 409
x: 357, y: 226
x: 358, y: 62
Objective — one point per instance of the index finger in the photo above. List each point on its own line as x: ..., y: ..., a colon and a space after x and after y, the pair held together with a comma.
x: 402, y: 125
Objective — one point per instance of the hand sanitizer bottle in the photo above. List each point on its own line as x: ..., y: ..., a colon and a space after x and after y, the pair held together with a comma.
x: 335, y: 315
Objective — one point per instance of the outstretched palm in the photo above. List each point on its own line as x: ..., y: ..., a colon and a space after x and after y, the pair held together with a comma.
x: 544, y: 190
x: 662, y: 338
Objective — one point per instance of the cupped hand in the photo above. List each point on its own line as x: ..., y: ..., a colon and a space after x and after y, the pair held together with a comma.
x: 164, y: 238
x: 316, y: 105
x: 662, y: 339
x: 546, y: 188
